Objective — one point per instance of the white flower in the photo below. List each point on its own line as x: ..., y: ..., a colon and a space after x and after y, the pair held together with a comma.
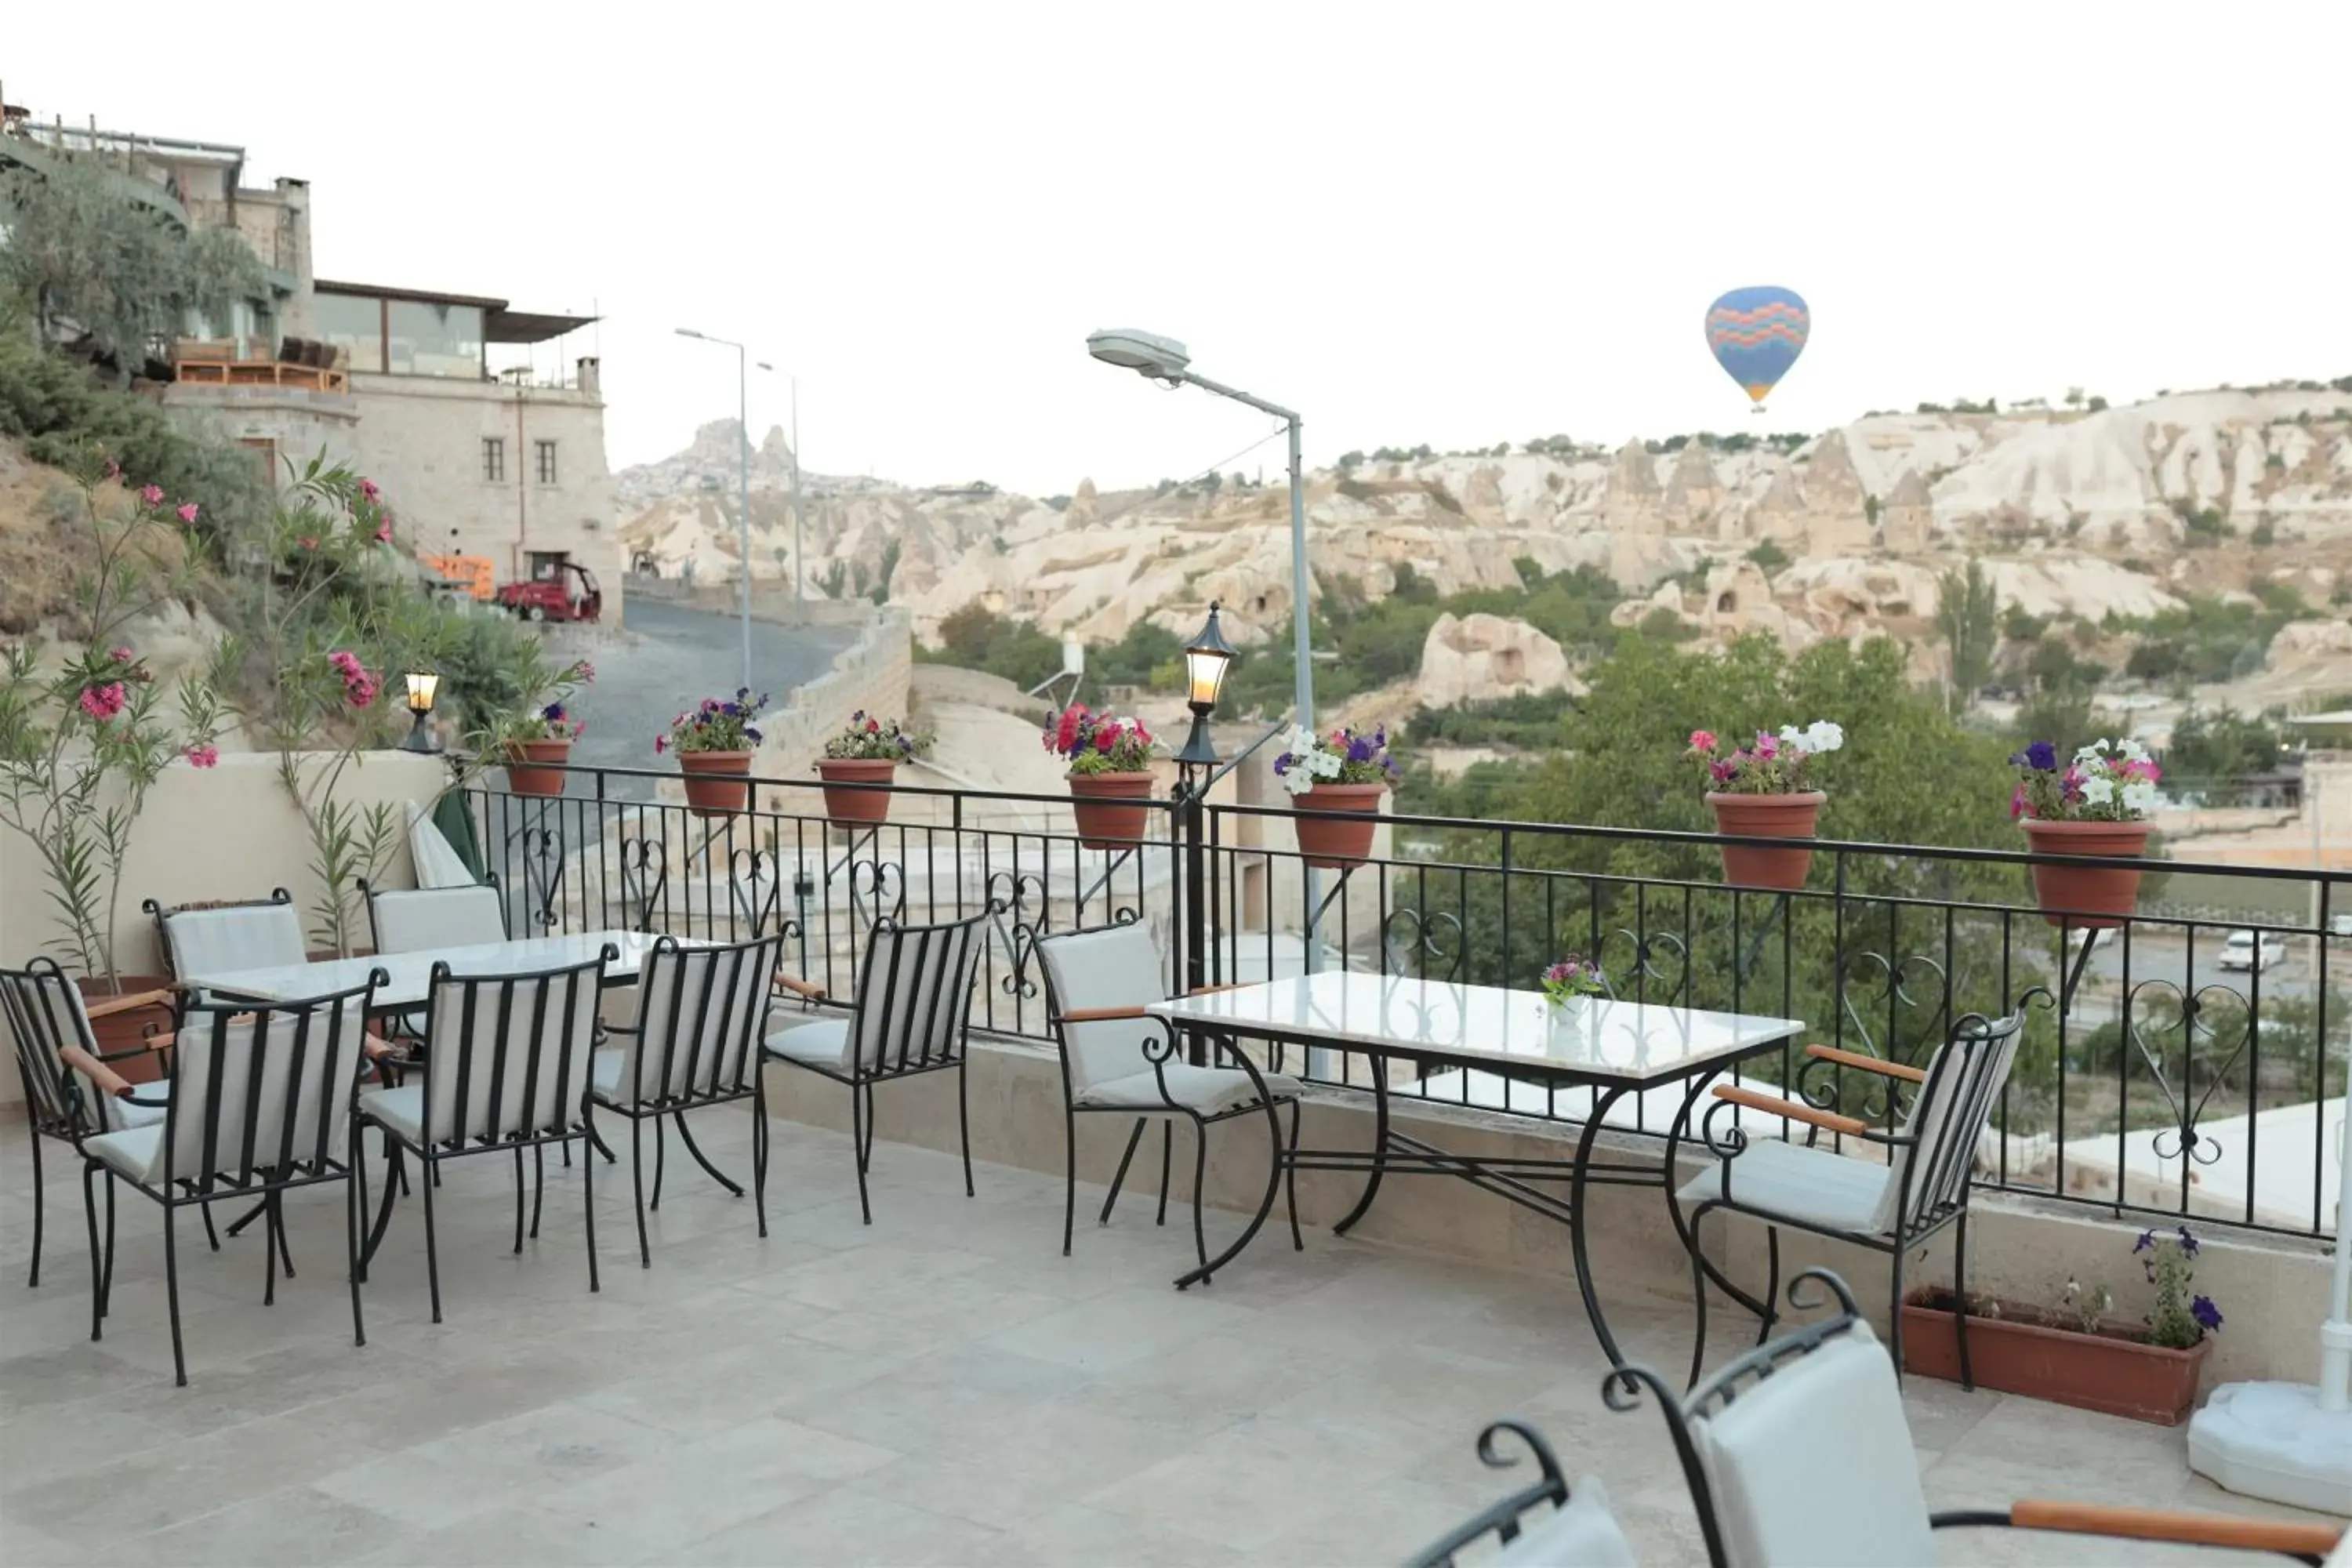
x: 2098, y: 789
x: 1824, y: 736
x: 2131, y: 751
x: 2139, y: 795
x: 1324, y: 764
x: 1303, y: 741
x: 2092, y: 752
x: 1297, y: 780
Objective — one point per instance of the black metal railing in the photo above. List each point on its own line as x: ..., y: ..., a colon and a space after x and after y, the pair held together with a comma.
x: 2152, y: 1080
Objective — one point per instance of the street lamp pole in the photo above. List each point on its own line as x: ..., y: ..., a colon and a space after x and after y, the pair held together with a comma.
x: 743, y: 467
x: 799, y: 596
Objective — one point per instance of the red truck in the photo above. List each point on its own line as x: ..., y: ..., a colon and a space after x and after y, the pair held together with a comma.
x: 559, y: 591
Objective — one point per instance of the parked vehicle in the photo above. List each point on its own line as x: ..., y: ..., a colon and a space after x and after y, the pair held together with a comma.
x: 2244, y: 950
x: 561, y: 591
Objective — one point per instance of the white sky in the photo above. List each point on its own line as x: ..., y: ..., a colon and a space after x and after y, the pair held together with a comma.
x: 1455, y: 223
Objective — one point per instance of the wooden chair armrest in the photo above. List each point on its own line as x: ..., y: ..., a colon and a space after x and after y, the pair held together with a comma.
x: 376, y: 1047
x: 1827, y: 1121
x: 1101, y: 1014
x: 2225, y: 1529
x: 809, y: 989
x: 107, y: 1006
x: 1868, y: 1064
x: 109, y: 1081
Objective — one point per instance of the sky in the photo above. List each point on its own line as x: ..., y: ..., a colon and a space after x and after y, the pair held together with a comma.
x: 1456, y: 224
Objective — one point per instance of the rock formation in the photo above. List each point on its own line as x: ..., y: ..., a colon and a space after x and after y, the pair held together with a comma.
x: 1479, y: 658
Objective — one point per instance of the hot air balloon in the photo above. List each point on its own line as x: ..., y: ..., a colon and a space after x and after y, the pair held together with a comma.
x: 1756, y: 334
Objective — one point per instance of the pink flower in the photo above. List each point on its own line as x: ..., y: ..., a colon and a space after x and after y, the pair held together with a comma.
x: 203, y: 756
x: 152, y: 495
x: 102, y: 702
x: 1702, y: 740
x: 368, y: 488
x: 188, y: 511
x: 384, y: 531
x: 113, y: 469
x: 308, y: 543
x: 661, y: 743
x: 1768, y: 746
x: 121, y: 655
x: 1723, y: 769
x: 2017, y: 803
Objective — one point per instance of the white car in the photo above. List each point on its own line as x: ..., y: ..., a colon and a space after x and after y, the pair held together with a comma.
x: 2244, y: 950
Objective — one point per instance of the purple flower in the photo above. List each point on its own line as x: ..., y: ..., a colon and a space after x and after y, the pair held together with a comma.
x: 1282, y: 764
x: 1359, y: 750
x: 2040, y: 756
x: 2147, y: 1242
x: 2207, y: 1316
x: 751, y: 735
x: 552, y: 713
x: 2187, y: 1243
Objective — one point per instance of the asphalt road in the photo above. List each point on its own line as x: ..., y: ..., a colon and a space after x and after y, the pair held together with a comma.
x: 670, y: 657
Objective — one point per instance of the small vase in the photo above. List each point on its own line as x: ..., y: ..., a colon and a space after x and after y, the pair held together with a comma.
x: 856, y: 808
x: 1112, y: 809
x: 527, y: 767
x: 718, y: 783
x: 1766, y: 816
x: 1569, y: 1009
x: 2086, y: 897
x: 1335, y: 823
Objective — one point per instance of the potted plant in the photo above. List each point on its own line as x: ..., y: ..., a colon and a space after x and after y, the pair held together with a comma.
x: 85, y: 735
x: 1570, y: 982
x: 1764, y: 790
x: 2073, y: 1353
x: 2095, y: 805
x: 714, y: 743
x: 867, y: 753
x: 1336, y: 781
x: 537, y: 742
x: 1110, y: 772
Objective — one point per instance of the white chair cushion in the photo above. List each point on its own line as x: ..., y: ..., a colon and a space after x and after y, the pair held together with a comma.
x: 206, y: 942
x: 131, y: 1153
x: 1115, y: 967
x: 715, y: 1002
x: 121, y: 1114
x: 1206, y: 1091
x: 1815, y: 1186
x: 1579, y: 1533
x: 822, y: 1043
x: 605, y: 1073
x: 411, y: 919
x: 1813, y: 1465
x: 401, y: 1110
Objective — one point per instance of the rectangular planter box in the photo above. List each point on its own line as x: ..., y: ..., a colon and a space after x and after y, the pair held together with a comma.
x: 2114, y: 1375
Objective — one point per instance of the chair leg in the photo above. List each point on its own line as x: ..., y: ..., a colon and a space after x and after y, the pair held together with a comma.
x: 661, y: 1158
x: 40, y: 1205
x: 1894, y: 1309
x: 277, y: 1229
x: 1200, y: 1181
x: 1069, y: 1174
x: 637, y: 1182
x: 268, y: 1252
x: 352, y: 1209
x: 211, y: 1235
x: 426, y: 1181
x: 858, y: 1107
x: 89, y: 1213
x: 1167, y: 1163
x: 963, y: 1123
x: 1699, y: 1298
x: 760, y: 1150
x: 539, y: 1182
x: 597, y: 1138
x: 172, y: 1291
x: 692, y: 1148
x: 106, y: 1289
x: 588, y: 1211
x: 866, y: 1144
x: 1771, y: 1313
x: 392, y: 1183
x: 519, y: 1184
x: 1290, y: 1177
x: 1118, y: 1179
x: 1959, y: 1298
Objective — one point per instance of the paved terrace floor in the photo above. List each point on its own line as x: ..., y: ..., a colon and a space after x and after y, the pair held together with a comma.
x: 940, y: 1388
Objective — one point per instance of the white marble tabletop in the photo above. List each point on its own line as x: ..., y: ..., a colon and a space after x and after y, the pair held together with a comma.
x: 1632, y: 1043
x: 411, y: 972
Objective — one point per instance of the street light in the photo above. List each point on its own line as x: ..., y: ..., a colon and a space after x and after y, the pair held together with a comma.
x: 1207, y: 657
x: 422, y: 685
x: 744, y: 436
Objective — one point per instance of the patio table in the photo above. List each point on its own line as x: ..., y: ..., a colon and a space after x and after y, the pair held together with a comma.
x: 411, y: 972
x: 1610, y: 1047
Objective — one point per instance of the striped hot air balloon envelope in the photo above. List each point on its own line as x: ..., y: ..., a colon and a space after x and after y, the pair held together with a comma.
x: 1756, y: 334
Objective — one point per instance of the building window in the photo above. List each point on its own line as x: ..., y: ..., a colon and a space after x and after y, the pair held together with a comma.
x: 494, y: 459
x: 353, y: 323
x: 546, y: 455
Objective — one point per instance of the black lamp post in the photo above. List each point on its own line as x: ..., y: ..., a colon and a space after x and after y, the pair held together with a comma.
x: 422, y: 685
x: 1207, y: 657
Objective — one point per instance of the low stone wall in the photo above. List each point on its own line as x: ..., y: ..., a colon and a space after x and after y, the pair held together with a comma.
x: 2273, y: 1291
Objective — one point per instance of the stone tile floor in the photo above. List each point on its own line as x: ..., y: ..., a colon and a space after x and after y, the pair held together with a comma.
x: 939, y: 1388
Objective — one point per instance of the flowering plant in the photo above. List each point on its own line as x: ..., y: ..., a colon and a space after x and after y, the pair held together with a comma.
x: 1572, y: 977
x: 872, y: 739
x: 1344, y: 756
x: 2181, y: 1319
x: 716, y: 726
x: 552, y: 720
x: 1772, y: 764
x: 2108, y: 781
x: 1100, y: 742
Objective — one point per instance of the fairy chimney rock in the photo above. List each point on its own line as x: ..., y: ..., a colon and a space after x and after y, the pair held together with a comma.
x: 1478, y: 657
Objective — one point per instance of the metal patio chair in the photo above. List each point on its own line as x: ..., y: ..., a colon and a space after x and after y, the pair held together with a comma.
x: 508, y: 1066
x: 1120, y: 1061
x: 1545, y: 1524
x: 221, y: 936
x: 408, y: 920
x: 58, y: 1061
x: 1890, y: 1209
x: 911, y: 1017
x: 259, y: 1105
x: 702, y: 1013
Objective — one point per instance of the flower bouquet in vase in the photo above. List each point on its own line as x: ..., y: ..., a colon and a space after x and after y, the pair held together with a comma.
x: 1335, y: 782
x: 867, y: 752
x: 1764, y: 790
x: 2094, y: 805
x: 1109, y: 762
x: 1569, y: 985
x: 714, y: 743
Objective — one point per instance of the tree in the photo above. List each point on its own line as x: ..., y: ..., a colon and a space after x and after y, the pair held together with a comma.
x: 1769, y: 555
x: 2096, y: 404
x: 2074, y: 398
x: 1968, y: 619
x: 2219, y: 748
x: 86, y: 255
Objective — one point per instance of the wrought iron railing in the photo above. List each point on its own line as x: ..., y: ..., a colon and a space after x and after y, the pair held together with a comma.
x: 2152, y: 1080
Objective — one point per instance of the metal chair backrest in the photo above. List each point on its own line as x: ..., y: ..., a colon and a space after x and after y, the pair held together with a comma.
x: 914, y: 994
x: 1948, y: 1118
x: 409, y: 920
x: 507, y: 1057
x: 198, y: 940
x: 701, y: 1014
x: 261, y: 1093
x: 43, y: 1010
x: 1103, y: 966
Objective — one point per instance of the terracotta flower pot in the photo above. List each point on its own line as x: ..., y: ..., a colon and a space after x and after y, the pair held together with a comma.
x: 2077, y: 895
x: 1767, y: 817
x: 127, y: 1031
x: 2115, y: 1372
x: 856, y: 808
x: 1336, y: 823
x: 718, y: 783
x: 1111, y: 808
x: 528, y: 772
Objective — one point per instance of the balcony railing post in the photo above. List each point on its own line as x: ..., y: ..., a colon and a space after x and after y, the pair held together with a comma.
x: 1193, y: 893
